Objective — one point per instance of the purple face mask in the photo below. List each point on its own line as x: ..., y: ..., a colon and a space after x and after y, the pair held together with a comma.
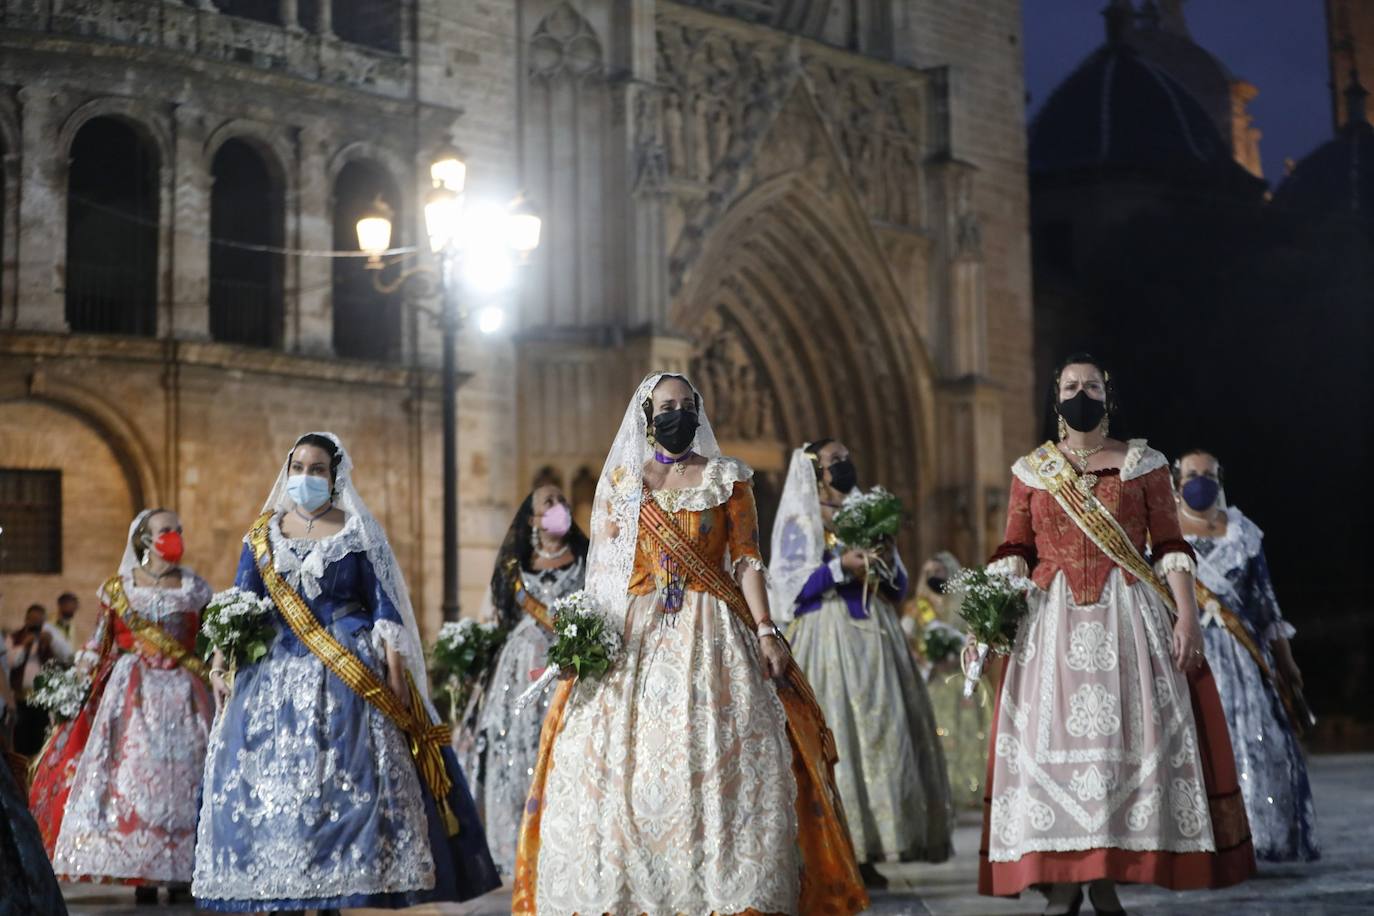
x: 556, y: 520
x: 1201, y: 493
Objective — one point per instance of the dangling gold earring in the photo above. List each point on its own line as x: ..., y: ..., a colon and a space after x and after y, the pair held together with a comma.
x: 1106, y: 425
x: 649, y: 435
x: 1063, y: 429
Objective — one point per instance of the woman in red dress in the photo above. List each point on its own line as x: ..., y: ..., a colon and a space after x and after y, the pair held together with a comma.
x: 1109, y: 758
x: 115, y: 790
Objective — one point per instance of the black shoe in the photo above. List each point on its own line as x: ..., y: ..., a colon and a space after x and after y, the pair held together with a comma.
x: 329, y: 912
x: 1077, y: 903
x: 145, y: 896
x: 176, y: 895
x: 1099, y: 910
x: 872, y: 877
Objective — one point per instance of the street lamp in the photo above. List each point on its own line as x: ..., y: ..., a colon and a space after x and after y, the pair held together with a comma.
x: 481, y: 242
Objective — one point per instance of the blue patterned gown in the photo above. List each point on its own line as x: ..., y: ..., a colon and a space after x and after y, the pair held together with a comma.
x: 311, y: 798
x: 1273, y: 772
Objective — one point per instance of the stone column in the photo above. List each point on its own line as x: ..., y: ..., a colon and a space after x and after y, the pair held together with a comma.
x: 189, y: 220
x: 310, y: 316
x: 41, y: 258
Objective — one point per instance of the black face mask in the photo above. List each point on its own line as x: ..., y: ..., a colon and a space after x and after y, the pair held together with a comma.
x: 843, y: 476
x: 674, y: 430
x: 1082, y: 413
x: 936, y: 584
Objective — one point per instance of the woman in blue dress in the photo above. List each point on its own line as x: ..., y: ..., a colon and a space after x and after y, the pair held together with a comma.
x: 1246, y: 641
x: 312, y: 798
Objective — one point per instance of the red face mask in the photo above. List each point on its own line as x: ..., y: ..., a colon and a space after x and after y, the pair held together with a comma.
x: 169, y: 546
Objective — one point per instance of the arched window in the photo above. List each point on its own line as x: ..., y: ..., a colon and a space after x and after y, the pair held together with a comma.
x: 261, y: 10
x: 367, y: 324
x: 246, y: 215
x: 373, y: 23
x: 112, y: 230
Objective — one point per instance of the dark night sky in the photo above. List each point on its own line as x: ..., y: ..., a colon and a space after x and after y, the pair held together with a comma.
x: 1278, y: 45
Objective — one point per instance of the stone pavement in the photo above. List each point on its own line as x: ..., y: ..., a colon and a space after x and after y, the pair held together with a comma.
x: 1341, y: 883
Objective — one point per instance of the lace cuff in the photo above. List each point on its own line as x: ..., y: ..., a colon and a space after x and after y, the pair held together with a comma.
x: 390, y: 633
x: 1175, y: 561
x: 752, y: 562
x: 837, y: 571
x: 1010, y: 565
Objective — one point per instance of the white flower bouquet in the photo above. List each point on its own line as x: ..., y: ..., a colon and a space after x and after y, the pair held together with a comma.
x: 992, y: 604
x: 238, y: 624
x: 60, y: 690
x: 585, y: 643
x: 460, y: 658
x: 868, y: 520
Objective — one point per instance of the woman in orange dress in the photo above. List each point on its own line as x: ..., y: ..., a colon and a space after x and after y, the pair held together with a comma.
x: 696, y: 775
x: 1109, y: 758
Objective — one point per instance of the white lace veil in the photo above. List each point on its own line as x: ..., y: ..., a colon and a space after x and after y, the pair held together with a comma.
x: 798, y: 536
x: 130, y: 560
x: 378, y: 550
x: 610, y: 560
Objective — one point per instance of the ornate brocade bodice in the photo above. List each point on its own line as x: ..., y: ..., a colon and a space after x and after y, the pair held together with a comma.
x: 719, y: 515
x: 1139, y: 495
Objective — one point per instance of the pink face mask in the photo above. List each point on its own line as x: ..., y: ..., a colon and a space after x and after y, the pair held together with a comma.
x: 556, y: 520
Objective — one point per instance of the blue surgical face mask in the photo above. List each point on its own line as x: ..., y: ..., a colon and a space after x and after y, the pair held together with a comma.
x: 1201, y: 493
x: 307, y: 492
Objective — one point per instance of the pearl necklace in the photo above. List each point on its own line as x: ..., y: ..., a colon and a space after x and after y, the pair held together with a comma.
x: 551, y: 554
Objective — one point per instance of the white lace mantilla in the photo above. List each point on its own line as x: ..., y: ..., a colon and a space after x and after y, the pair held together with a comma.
x: 1140, y: 460
x: 718, y: 479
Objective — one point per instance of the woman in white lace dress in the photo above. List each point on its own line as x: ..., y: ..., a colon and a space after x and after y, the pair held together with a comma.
x: 115, y: 791
x: 542, y: 558
x: 694, y: 776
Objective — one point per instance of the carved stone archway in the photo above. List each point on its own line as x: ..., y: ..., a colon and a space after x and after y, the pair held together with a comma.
x: 802, y: 333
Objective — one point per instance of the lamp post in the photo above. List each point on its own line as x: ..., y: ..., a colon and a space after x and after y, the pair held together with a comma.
x: 459, y: 237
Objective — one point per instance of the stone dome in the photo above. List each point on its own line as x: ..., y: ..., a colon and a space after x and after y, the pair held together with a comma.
x: 1119, y: 110
x: 1337, y: 177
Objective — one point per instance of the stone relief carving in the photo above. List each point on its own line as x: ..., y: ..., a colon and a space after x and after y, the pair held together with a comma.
x: 722, y: 92
x: 565, y: 44
x: 742, y: 404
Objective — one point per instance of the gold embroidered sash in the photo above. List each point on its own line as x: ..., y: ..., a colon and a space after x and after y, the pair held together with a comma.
x: 528, y: 603
x: 426, y: 740
x: 1074, y: 495
x: 1209, y: 601
x: 149, y: 633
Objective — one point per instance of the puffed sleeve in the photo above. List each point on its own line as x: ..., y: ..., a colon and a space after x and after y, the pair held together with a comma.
x: 742, y: 521
x: 1268, y: 618
x: 90, y: 652
x: 387, y: 627
x: 248, y: 577
x: 1017, y: 554
x: 1170, y: 551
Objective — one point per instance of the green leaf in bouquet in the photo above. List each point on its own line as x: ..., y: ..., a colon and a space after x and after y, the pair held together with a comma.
x: 255, y: 651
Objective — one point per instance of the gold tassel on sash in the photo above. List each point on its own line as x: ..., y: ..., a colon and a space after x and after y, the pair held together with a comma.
x: 426, y: 740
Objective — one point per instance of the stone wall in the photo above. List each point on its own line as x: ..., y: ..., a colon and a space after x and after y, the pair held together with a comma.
x: 675, y: 152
